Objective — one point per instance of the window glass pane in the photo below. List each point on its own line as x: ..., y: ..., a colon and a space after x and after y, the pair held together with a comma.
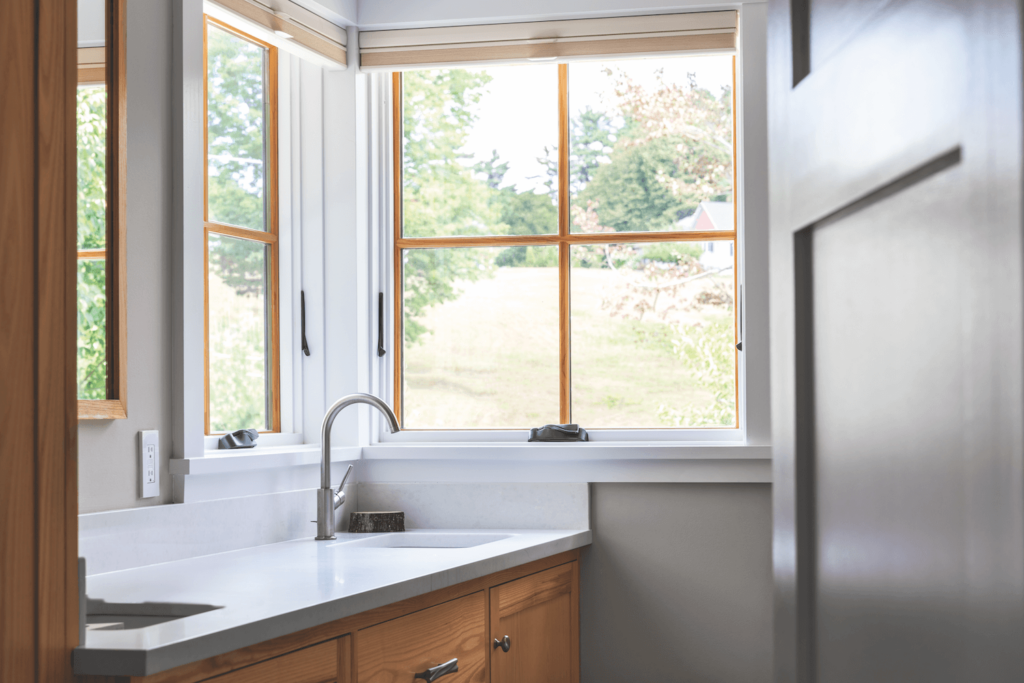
x: 651, y: 140
x: 653, y: 335
x: 480, y: 151
x: 238, y: 334
x: 92, y: 329
x: 481, y: 338
x: 91, y: 114
x: 236, y: 120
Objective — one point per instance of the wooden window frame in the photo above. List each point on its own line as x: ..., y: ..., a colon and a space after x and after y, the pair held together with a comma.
x: 268, y: 237
x: 114, y: 74
x: 564, y: 239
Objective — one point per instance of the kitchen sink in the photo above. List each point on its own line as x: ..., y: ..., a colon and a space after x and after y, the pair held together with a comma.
x: 424, y: 540
x: 102, y: 615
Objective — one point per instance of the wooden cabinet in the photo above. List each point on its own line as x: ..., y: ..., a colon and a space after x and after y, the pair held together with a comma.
x: 536, y: 618
x: 536, y: 605
x: 399, y: 649
x: 316, y: 664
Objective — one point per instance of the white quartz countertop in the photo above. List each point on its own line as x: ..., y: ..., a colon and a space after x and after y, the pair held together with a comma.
x: 274, y: 590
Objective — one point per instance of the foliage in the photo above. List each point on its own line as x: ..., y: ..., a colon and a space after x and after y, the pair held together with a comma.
x: 238, y: 362
x: 236, y: 122
x: 648, y: 282
x: 592, y: 136
x: 673, y: 152
x: 707, y: 352
x: 91, y: 114
x: 440, y: 196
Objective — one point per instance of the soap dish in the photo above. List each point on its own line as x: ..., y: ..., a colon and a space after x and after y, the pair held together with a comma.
x: 375, y: 522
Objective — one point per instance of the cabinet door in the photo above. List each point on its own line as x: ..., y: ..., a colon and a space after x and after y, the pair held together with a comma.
x: 540, y: 616
x: 397, y: 650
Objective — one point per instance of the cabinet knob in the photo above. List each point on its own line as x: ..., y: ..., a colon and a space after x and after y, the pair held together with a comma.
x: 431, y: 675
x: 505, y: 644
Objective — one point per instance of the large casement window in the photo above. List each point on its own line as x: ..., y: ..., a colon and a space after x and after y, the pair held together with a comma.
x: 102, y: 131
x: 565, y: 233
x: 241, y: 227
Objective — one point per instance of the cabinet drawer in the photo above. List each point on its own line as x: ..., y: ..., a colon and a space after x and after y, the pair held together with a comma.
x: 397, y: 650
x: 316, y: 664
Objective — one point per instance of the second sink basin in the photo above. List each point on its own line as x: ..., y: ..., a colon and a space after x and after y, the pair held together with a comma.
x: 425, y: 540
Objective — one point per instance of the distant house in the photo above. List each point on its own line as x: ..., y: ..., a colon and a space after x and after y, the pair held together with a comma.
x: 709, y: 217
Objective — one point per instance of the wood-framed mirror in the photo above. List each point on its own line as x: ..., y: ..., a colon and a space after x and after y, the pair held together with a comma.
x: 102, y: 133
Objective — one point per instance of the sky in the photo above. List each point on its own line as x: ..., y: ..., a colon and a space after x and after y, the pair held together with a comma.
x: 518, y: 114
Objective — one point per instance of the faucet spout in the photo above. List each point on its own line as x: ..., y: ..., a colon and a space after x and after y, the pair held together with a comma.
x: 324, y: 495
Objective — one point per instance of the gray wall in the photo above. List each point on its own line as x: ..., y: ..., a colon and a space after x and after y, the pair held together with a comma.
x: 677, y: 585
x: 108, y: 461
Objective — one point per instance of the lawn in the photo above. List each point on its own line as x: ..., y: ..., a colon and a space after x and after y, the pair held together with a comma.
x: 491, y: 357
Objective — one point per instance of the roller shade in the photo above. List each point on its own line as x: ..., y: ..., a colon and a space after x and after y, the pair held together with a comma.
x: 286, y: 25
x: 544, y: 40
x: 92, y: 65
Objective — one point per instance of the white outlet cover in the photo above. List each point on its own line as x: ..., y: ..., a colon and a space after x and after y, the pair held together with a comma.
x: 149, y: 463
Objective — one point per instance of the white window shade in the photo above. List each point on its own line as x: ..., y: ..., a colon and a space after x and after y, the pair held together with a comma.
x: 547, y: 40
x: 92, y: 65
x: 287, y: 26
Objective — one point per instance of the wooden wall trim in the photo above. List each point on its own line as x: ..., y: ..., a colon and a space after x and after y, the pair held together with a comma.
x: 38, y: 407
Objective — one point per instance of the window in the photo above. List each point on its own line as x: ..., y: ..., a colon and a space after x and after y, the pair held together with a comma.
x: 560, y: 245
x: 241, y: 228
x: 101, y: 124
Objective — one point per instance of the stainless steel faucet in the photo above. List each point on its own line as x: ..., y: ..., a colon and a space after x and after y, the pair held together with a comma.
x: 327, y: 500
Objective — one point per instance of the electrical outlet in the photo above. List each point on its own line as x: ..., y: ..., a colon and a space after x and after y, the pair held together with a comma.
x: 149, y: 463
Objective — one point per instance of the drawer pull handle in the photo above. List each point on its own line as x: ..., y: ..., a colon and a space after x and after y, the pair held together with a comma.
x: 505, y: 643
x: 431, y: 675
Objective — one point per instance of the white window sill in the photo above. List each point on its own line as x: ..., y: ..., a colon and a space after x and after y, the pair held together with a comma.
x: 576, y: 452
x: 640, y: 462
x: 259, y: 458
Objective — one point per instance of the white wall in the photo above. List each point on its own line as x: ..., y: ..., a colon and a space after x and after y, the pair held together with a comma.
x: 325, y: 209
x: 108, y: 462
x: 91, y: 25
x: 677, y: 585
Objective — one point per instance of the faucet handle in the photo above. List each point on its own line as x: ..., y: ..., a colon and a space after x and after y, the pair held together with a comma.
x: 339, y: 496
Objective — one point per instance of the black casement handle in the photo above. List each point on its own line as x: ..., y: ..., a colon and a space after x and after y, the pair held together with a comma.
x: 505, y: 644
x: 380, y: 325
x: 431, y: 675
x: 302, y: 315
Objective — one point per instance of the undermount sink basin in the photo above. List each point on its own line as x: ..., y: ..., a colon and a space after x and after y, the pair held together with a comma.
x: 424, y: 540
x: 102, y: 615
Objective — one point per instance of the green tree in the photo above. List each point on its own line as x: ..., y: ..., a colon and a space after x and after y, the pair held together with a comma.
x: 673, y: 152
x: 440, y: 195
x: 236, y: 123
x: 236, y: 137
x: 524, y: 213
x: 707, y: 352
x: 91, y: 115
x: 592, y: 136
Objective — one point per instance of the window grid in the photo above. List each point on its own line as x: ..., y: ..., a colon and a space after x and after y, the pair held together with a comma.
x: 268, y: 237
x: 565, y: 239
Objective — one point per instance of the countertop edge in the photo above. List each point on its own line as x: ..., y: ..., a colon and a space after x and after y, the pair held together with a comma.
x: 139, y: 662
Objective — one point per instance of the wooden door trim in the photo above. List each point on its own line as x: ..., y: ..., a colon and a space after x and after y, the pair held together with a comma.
x: 38, y: 416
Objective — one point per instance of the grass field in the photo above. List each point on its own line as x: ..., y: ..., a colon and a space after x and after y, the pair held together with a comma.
x: 491, y: 359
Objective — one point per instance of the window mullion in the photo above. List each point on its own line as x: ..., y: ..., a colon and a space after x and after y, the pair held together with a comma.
x: 564, y: 362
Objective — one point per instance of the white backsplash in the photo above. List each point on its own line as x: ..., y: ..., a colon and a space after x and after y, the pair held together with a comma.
x: 481, y: 506
x: 124, y: 539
